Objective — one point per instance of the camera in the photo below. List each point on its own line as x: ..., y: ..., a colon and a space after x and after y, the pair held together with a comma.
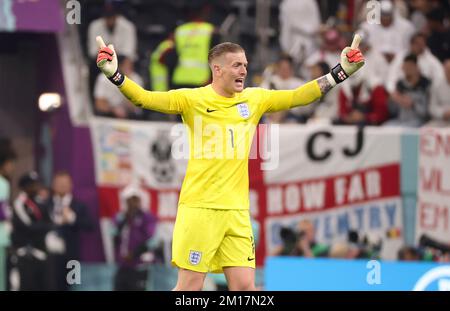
x: 426, y: 241
x: 367, y: 249
x: 290, y: 238
x: 289, y: 235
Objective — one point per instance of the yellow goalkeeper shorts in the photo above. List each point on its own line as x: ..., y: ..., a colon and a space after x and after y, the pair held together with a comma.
x: 207, y: 240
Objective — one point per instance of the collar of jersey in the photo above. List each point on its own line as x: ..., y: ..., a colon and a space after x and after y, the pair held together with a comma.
x: 236, y: 97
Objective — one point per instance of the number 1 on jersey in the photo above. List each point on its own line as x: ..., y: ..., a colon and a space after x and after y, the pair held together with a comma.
x: 232, y: 138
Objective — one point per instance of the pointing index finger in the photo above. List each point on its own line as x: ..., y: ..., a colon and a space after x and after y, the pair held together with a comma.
x: 100, y: 42
x: 356, y: 41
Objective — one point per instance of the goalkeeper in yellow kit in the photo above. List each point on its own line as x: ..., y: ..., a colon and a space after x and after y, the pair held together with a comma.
x: 212, y: 231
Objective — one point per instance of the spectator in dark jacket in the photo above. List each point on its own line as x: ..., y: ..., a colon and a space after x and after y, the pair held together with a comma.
x: 30, y: 235
x: 411, y: 98
x: 71, y: 218
x: 438, y: 34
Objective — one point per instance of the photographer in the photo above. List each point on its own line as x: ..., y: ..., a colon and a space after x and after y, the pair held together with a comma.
x: 134, y: 227
x: 32, y: 236
x: 433, y: 250
x: 362, y: 247
x: 301, y: 242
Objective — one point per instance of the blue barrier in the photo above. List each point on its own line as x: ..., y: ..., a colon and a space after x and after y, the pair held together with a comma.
x: 290, y: 273
x: 4, y: 242
x: 100, y: 277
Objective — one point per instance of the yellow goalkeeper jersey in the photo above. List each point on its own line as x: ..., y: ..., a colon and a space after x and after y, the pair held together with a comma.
x: 220, y: 131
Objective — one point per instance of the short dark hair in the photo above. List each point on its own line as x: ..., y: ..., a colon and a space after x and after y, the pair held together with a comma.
x: 324, y: 67
x: 121, y: 58
x: 417, y: 35
x: 410, y: 58
x: 287, y: 58
x: 222, y: 48
x: 27, y: 179
x: 437, y: 15
x: 7, y: 156
x: 7, y: 152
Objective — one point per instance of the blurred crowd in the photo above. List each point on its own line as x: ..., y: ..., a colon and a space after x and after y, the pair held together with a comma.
x: 301, y: 241
x: 406, y: 79
x: 405, y: 82
x: 41, y: 228
x: 41, y: 231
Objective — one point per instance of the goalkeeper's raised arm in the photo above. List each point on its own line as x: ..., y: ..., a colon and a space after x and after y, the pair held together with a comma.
x: 166, y: 102
x: 351, y: 60
x: 175, y: 101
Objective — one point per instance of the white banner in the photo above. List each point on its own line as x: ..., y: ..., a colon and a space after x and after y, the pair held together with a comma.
x: 308, y: 152
x: 433, y: 202
x: 341, y: 179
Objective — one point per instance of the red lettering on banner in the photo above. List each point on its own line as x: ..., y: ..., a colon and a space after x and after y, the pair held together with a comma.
x: 433, y: 216
x: 433, y: 144
x: 334, y: 191
x: 431, y: 180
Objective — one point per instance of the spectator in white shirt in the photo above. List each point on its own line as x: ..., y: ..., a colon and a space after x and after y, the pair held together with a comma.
x: 420, y: 9
x: 330, y: 49
x: 376, y: 68
x: 393, y: 33
x: 283, y: 78
x: 108, y: 99
x: 440, y: 100
x: 299, y: 27
x: 115, y: 29
x: 325, y: 109
x: 430, y: 67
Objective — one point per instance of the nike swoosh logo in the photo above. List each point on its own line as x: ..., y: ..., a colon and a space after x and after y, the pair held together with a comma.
x: 210, y: 110
x: 250, y: 259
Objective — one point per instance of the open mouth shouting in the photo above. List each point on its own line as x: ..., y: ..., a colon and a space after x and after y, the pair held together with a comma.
x: 239, y: 82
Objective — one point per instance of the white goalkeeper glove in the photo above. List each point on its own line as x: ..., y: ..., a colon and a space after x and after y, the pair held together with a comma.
x: 107, y: 62
x: 351, y: 60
